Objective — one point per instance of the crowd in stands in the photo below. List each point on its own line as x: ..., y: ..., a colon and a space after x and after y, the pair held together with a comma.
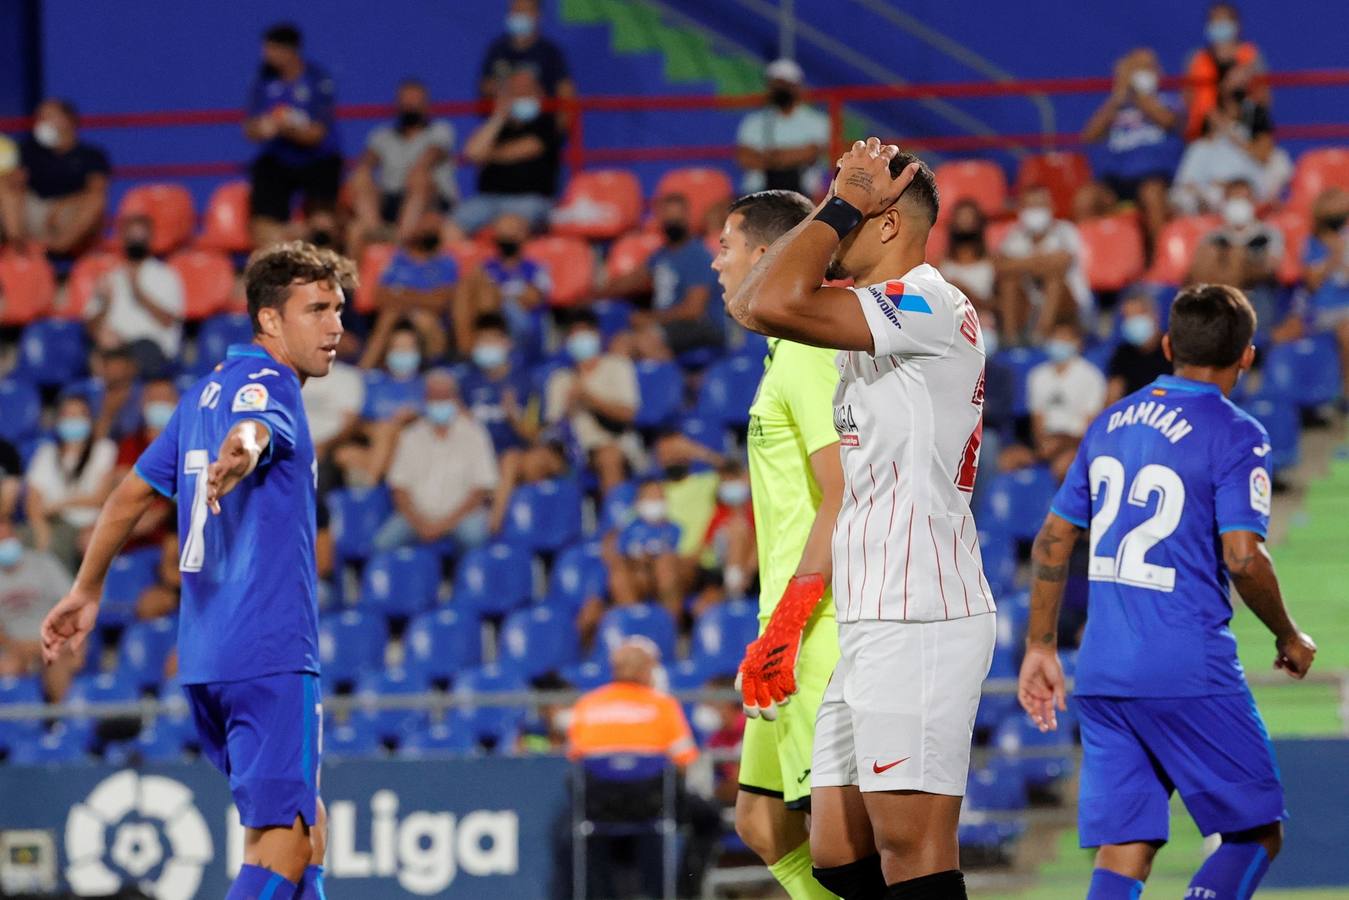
x: 540, y: 406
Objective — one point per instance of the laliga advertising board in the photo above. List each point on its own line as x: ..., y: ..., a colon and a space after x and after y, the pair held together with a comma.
x: 451, y: 828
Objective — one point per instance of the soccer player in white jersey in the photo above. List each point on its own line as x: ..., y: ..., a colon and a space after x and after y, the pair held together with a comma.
x: 916, y: 630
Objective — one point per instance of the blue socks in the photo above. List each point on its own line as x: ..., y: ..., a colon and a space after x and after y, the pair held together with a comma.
x: 1232, y: 873
x: 311, y: 885
x: 1108, y: 885
x: 257, y: 883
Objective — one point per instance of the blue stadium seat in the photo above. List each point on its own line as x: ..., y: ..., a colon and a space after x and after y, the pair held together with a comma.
x: 616, y: 506
x: 493, y: 579
x: 438, y: 739
x: 104, y: 687
x: 578, y: 573
x: 1017, y: 732
x: 538, y: 640
x: 15, y: 690
x: 996, y: 708
x: 689, y: 674
x: 400, y: 582
x: 215, y: 337
x: 721, y: 634
x: 588, y: 675
x: 709, y: 432
x: 144, y: 648
x: 1016, y: 502
x: 1099, y: 353
x: 355, y: 515
x: 728, y: 389
x: 996, y: 788
x: 1305, y: 372
x: 754, y: 346
x: 442, y: 643
x: 354, y: 739
x: 64, y: 744
x: 166, y: 739
x: 489, y: 724
x: 130, y: 574
x: 661, y: 389
x: 1020, y: 360
x: 23, y: 410
x: 391, y: 724
x: 647, y: 619
x: 998, y: 550
x: 1281, y: 420
x: 614, y: 317
x: 544, y: 516
x: 53, y: 352
x: 351, y: 642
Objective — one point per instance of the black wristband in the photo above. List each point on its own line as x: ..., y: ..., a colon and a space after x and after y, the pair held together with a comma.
x: 840, y: 215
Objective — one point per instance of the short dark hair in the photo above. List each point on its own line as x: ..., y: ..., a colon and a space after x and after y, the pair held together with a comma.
x: 768, y: 215
x: 67, y: 108
x: 581, y: 316
x: 922, y: 191
x: 490, y: 321
x: 1211, y: 325
x: 272, y: 272
x: 285, y: 33
x: 413, y: 82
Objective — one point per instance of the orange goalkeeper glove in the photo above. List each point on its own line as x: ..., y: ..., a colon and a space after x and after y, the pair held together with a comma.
x: 767, y: 676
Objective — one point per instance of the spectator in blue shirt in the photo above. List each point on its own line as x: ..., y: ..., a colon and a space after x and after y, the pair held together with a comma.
x: 518, y: 287
x: 496, y: 393
x: 1326, y: 259
x: 420, y: 287
x: 290, y: 113
x: 643, y: 558
x: 523, y: 47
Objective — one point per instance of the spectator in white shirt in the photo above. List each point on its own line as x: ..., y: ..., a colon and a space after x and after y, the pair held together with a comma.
x: 968, y: 265
x: 442, y: 476
x: 333, y: 404
x: 1065, y: 394
x: 140, y: 303
x: 1040, y: 273
x: 68, y: 480
x: 31, y: 582
x: 1222, y: 155
x: 781, y: 145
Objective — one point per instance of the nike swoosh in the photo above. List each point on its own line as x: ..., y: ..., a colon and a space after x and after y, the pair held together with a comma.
x: 878, y: 768
x: 804, y: 776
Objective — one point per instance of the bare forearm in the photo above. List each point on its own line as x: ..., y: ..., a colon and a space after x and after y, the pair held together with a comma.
x: 817, y: 555
x: 129, y: 501
x: 1252, y: 572
x: 618, y: 412
x: 479, y: 146
x: 1049, y: 570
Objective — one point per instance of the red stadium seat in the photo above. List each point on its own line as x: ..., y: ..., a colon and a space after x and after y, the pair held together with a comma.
x: 208, y: 281
x: 374, y: 261
x: 703, y: 188
x: 1113, y: 247
x: 1295, y: 225
x: 83, y: 280
x: 1317, y: 170
x: 27, y: 286
x: 599, y: 205
x: 570, y: 263
x: 470, y: 255
x: 630, y: 251
x: 169, y: 208
x: 974, y: 179
x: 225, y: 224
x: 1062, y: 173
x: 995, y: 232
x: 1175, y: 248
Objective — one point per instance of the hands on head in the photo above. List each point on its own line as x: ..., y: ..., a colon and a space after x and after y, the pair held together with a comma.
x: 864, y: 180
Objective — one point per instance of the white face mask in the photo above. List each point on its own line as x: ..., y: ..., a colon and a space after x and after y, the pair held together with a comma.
x: 47, y: 134
x: 651, y: 511
x: 1238, y: 212
x: 1036, y: 219
x: 1144, y: 81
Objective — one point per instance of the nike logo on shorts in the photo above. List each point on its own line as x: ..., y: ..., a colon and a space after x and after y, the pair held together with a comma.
x: 879, y: 769
x: 804, y: 776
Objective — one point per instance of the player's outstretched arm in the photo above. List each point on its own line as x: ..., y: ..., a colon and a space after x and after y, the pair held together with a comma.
x: 1252, y: 571
x: 238, y: 457
x: 70, y: 620
x: 1041, y: 687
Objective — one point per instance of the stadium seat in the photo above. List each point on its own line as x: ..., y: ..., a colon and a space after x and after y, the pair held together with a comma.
x: 493, y: 580
x: 440, y: 644
x: 615, y: 317
x: 660, y: 386
x: 400, y: 582
x: 350, y: 643
x: 721, y: 634
x: 998, y: 787
x: 588, y: 675
x: 570, y: 264
x: 438, y: 739
x: 1305, y: 372
x: 1315, y: 171
x: 390, y: 724
x: 728, y: 389
x: 710, y: 433
x: 1017, y: 732
x: 27, y: 286
x: 1113, y: 250
x: 1062, y: 173
x: 1174, y: 250
x: 487, y: 724
x: 998, y: 550
x: 169, y: 209
x: 1281, y: 420
x: 598, y: 205
x: 1295, y: 226
x: 225, y: 222
x: 53, y: 352
x: 544, y: 516
x: 215, y: 337
x: 1020, y: 360
x: 23, y: 410
x: 578, y: 573
x: 1017, y: 501
x: 64, y: 744
x: 538, y: 640
x: 144, y: 648
x: 995, y: 707
x: 689, y: 675
x: 469, y: 255
x: 354, y: 515
x: 630, y: 252
x: 128, y: 576
x: 353, y: 739
x: 616, y: 506
x: 83, y: 280
x: 101, y: 687
x: 646, y: 619
x: 165, y: 739
x: 374, y: 260
x: 208, y: 282
x: 703, y: 188
x: 972, y: 179
x: 15, y: 690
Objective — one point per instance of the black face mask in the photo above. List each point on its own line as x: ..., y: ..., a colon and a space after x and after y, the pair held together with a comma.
x: 269, y: 71
x: 782, y: 98
x: 409, y: 119
x: 1334, y: 223
x: 966, y: 237
x: 321, y: 238
x: 136, y: 250
x: 675, y: 232
x: 676, y: 472
x: 429, y: 242
x: 508, y: 248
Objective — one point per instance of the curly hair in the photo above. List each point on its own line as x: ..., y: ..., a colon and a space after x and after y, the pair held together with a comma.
x: 273, y: 271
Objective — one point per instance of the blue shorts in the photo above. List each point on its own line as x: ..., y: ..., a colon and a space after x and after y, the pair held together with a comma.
x: 263, y: 733
x: 1137, y: 750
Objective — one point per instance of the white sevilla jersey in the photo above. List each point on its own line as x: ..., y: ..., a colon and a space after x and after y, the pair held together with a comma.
x: 910, y: 420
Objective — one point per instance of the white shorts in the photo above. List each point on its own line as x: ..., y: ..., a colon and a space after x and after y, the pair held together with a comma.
x: 898, y: 714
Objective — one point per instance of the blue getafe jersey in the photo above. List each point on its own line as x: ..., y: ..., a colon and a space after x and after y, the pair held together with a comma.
x: 249, y: 599
x: 1158, y: 478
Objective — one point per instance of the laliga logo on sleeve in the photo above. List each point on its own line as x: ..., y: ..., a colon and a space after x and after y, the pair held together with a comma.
x: 118, y: 836
x: 250, y: 398
x: 1261, y: 490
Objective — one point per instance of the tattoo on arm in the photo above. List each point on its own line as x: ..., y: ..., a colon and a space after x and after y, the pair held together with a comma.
x: 1049, y: 570
x: 861, y: 180
x: 1045, y: 553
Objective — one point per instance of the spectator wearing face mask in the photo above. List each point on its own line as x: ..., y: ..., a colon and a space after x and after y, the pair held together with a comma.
x: 596, y: 397
x: 1065, y: 393
x: 644, y: 559
x: 158, y: 401
x: 139, y: 304
x: 519, y: 154
x: 1326, y: 269
x: 517, y: 287
x: 1220, y: 156
x: 728, y: 555
x: 113, y: 393
x: 967, y: 264
x: 1243, y: 252
x: 781, y: 145
x: 523, y: 46
x: 442, y: 475
x: 31, y: 583
x: 398, y: 390
x: 1224, y: 64
x: 57, y: 193
x: 420, y: 287
x: 1040, y: 273
x: 68, y: 480
x: 1138, y: 360
x: 407, y: 168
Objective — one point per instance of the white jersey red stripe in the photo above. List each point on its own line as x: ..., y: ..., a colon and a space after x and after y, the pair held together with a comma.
x: 909, y: 417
